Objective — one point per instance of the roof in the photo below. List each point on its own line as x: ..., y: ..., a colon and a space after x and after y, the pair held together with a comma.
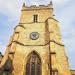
x: 73, y: 72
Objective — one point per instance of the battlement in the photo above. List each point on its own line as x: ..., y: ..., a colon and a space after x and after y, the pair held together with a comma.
x: 49, y: 6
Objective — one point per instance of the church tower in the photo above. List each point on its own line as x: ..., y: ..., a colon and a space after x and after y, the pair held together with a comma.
x: 36, y: 47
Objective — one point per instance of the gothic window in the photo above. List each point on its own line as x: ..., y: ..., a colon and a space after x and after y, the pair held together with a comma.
x: 28, y: 69
x: 35, y: 18
x: 38, y: 69
x: 33, y: 66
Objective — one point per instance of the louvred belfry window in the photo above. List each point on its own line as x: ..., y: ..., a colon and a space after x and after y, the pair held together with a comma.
x: 35, y: 18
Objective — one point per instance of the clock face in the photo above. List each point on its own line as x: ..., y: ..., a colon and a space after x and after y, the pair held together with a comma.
x: 34, y: 35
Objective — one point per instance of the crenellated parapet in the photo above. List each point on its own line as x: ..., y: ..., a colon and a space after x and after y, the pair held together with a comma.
x: 32, y: 7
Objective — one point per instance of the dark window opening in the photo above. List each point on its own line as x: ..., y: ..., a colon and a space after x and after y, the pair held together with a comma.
x: 53, y: 53
x: 35, y: 18
x: 5, y: 72
x: 33, y: 66
x: 7, y: 68
x: 54, y: 72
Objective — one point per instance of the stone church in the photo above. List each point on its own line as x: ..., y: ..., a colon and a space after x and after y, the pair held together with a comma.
x: 36, y: 46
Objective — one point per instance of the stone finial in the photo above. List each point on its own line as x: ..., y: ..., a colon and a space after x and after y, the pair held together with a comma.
x: 1, y: 56
x: 51, y: 3
x: 23, y: 4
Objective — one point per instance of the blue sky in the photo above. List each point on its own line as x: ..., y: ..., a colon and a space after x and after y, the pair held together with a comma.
x: 64, y: 11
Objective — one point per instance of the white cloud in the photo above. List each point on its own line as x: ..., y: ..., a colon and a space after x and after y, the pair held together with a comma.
x: 60, y: 2
x: 2, y: 49
x: 10, y: 7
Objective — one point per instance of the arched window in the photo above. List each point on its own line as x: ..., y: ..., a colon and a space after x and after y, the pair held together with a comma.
x: 33, y: 66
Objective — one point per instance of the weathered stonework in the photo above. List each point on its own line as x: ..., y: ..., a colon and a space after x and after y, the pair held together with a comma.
x: 48, y: 47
